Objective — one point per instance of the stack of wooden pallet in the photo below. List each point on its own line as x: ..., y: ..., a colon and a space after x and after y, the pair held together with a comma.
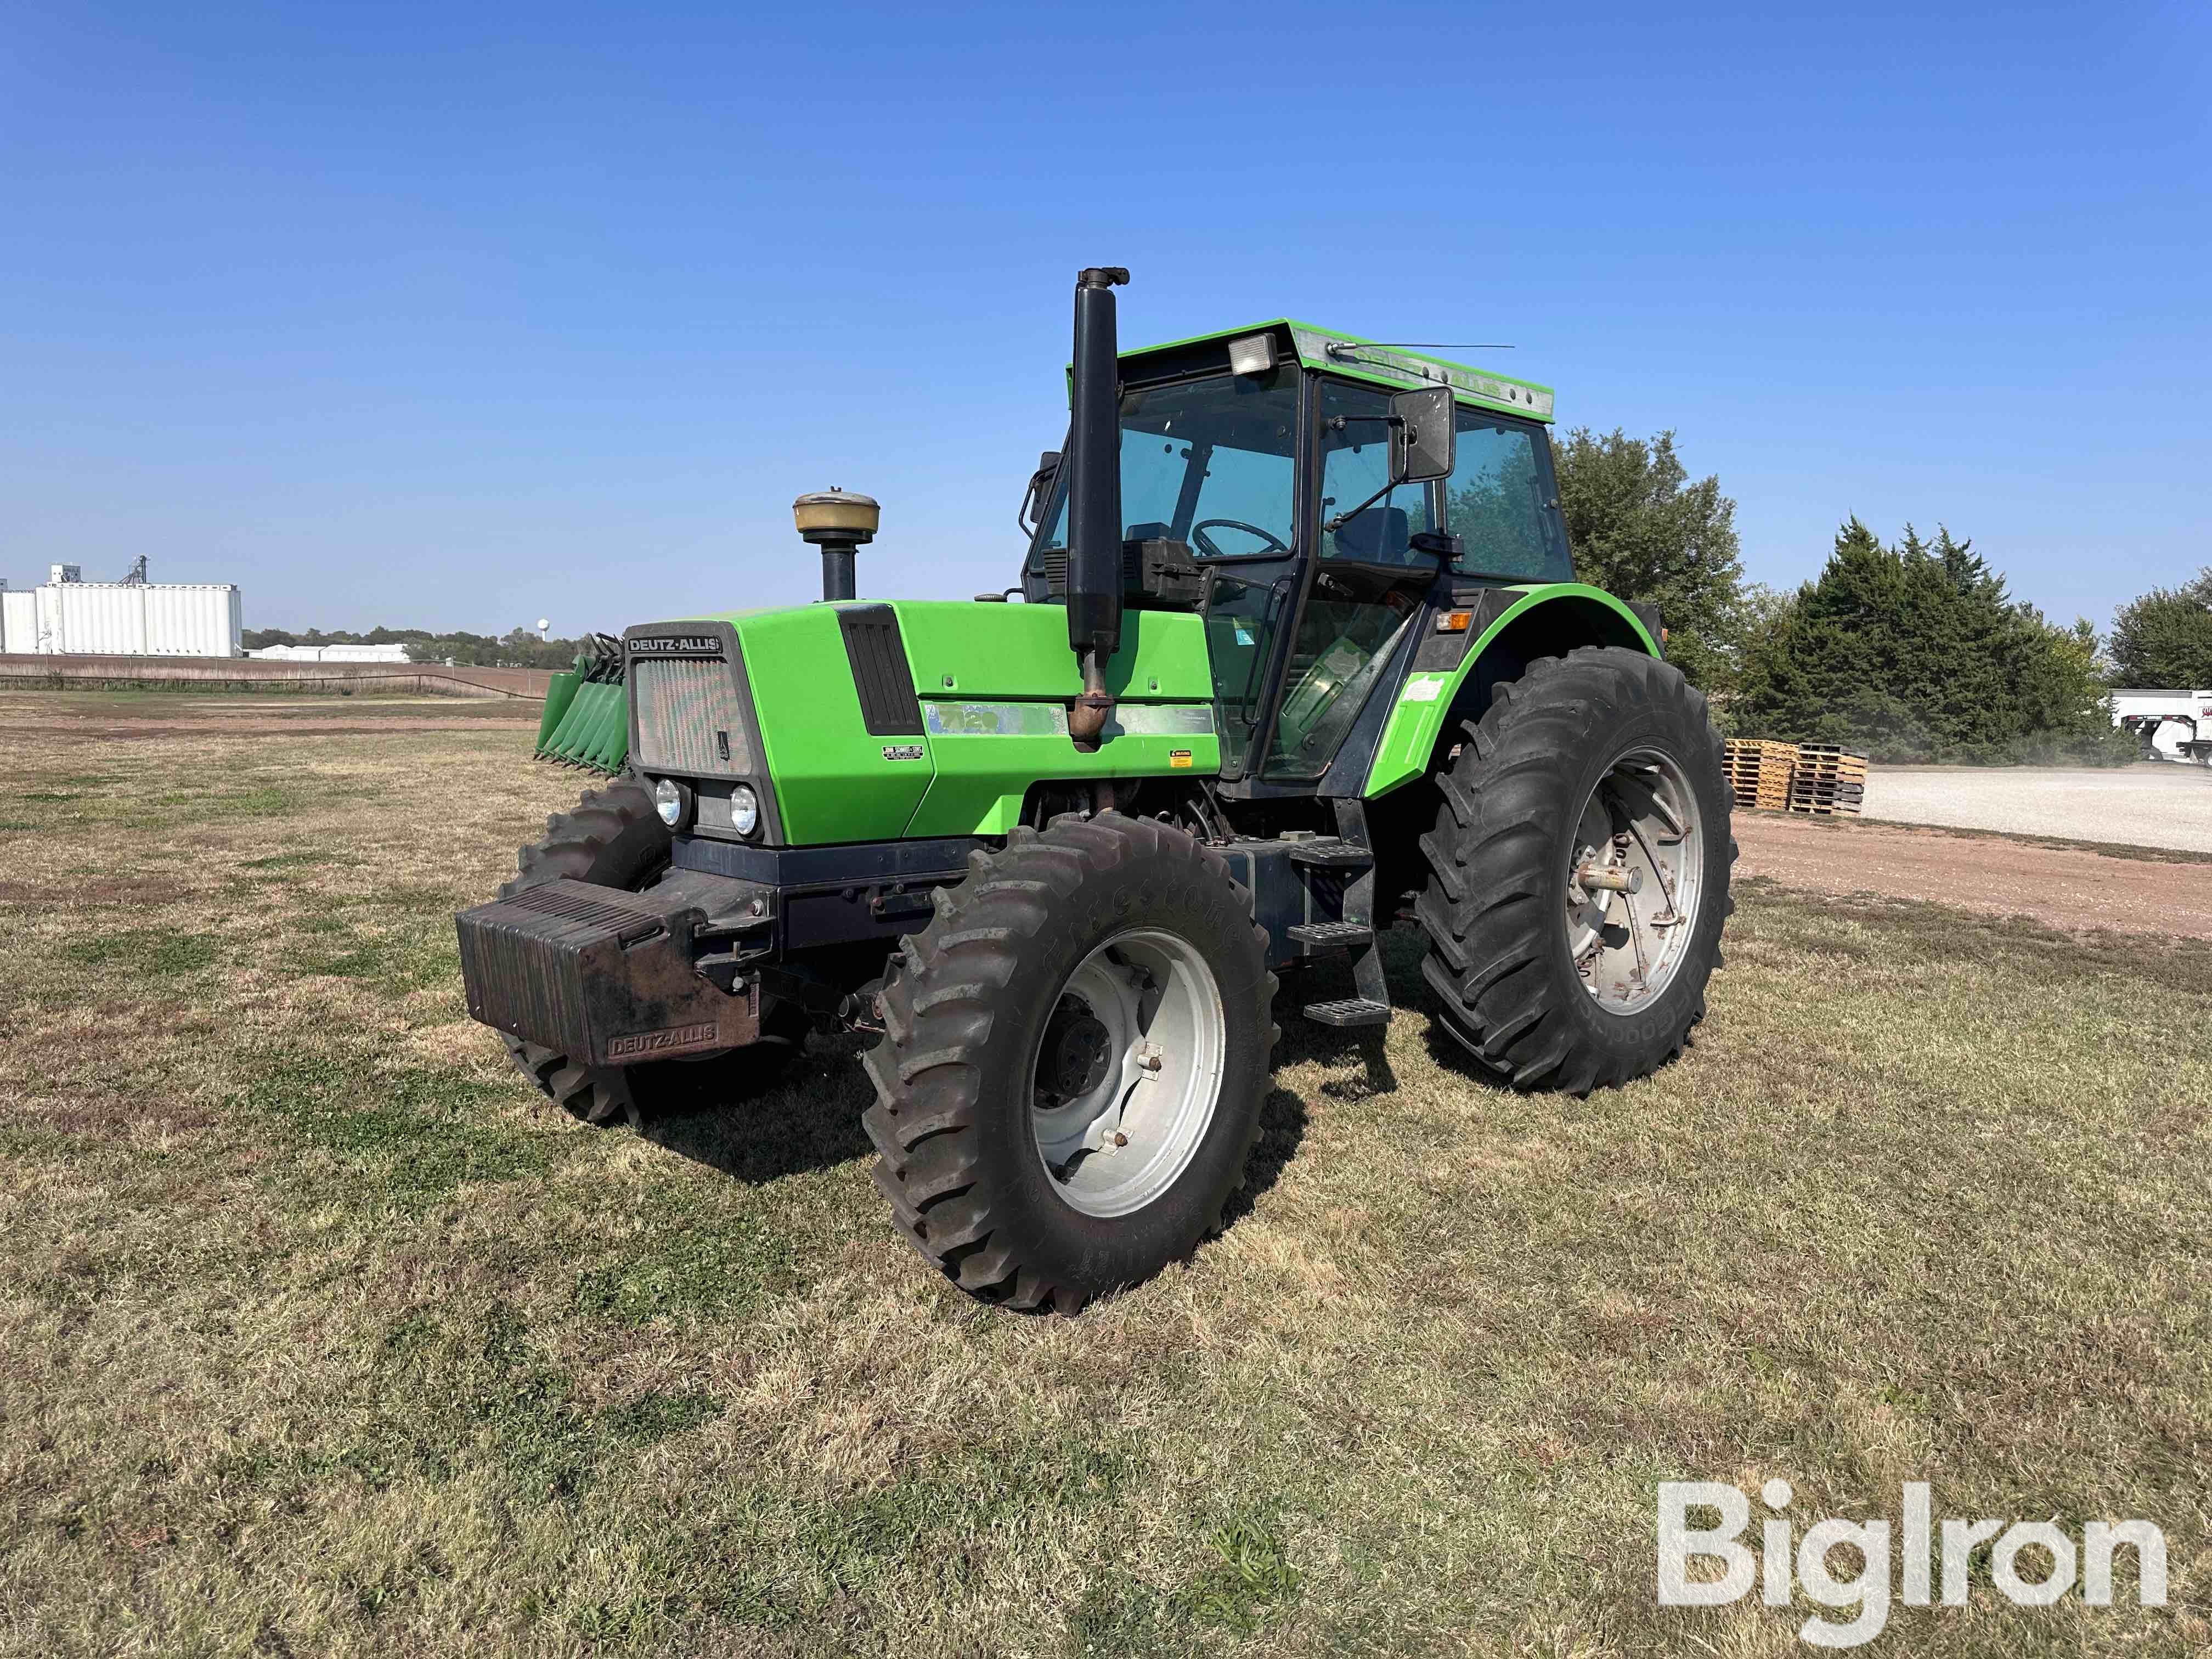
x: 1827, y: 779
x: 1759, y: 768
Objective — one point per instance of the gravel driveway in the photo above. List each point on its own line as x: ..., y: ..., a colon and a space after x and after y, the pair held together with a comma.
x: 2151, y: 805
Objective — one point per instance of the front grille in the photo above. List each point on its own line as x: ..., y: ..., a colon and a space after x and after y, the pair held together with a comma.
x: 690, y: 717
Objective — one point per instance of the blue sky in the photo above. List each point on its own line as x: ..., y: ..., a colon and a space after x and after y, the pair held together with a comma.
x: 461, y: 316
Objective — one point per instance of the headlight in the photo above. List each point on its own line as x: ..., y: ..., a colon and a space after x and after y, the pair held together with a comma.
x: 672, y: 801
x: 745, y: 810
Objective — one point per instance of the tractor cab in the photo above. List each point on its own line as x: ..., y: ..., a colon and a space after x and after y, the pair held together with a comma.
x: 1320, y: 530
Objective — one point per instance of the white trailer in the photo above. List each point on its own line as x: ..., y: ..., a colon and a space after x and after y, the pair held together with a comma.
x: 2173, y: 724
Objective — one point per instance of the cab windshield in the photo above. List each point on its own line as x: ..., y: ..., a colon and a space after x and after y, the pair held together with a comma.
x: 1212, y: 464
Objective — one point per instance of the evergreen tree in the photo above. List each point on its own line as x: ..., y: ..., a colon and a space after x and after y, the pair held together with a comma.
x: 1641, y: 529
x: 1918, y: 652
x: 2164, y: 639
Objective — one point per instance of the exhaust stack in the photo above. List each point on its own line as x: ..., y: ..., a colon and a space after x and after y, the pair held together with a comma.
x: 1094, y: 499
x: 838, y: 524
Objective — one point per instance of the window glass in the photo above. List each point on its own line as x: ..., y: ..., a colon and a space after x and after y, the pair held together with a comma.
x: 1341, y: 648
x: 1242, y: 618
x: 1498, y: 500
x: 1209, y: 463
x: 1355, y: 463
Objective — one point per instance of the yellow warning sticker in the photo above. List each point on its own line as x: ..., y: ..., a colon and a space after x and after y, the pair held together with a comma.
x: 1178, y: 757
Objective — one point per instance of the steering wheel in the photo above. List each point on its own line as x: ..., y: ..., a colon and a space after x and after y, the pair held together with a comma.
x: 1205, y: 542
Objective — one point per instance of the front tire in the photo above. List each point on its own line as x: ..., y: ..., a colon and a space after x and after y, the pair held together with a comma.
x: 1592, y: 771
x: 1101, y: 980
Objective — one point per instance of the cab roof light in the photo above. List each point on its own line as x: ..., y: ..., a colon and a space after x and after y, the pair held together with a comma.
x: 1252, y: 353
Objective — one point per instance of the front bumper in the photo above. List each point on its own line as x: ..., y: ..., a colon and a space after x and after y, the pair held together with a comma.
x: 607, y: 977
x: 692, y: 964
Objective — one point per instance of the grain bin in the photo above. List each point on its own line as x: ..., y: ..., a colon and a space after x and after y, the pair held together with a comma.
x: 136, y: 619
x: 19, y: 619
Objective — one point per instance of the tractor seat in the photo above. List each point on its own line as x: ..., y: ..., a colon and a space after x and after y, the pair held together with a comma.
x: 1375, y: 535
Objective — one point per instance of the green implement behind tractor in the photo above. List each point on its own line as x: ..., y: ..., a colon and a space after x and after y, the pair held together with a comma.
x: 586, y: 717
x: 1299, y: 653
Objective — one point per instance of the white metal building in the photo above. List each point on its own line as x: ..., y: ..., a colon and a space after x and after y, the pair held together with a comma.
x: 19, y: 619
x: 68, y: 615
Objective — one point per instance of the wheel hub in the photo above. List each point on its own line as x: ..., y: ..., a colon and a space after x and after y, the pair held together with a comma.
x: 1128, y: 1072
x: 1073, y: 1059
x: 1634, y: 880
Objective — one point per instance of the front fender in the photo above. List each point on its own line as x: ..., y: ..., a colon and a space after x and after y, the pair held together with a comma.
x: 1562, y: 615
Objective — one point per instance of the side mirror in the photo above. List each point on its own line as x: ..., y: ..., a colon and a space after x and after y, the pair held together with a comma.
x: 1423, y: 435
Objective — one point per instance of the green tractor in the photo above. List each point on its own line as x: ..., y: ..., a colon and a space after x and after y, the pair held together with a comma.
x: 1299, y: 652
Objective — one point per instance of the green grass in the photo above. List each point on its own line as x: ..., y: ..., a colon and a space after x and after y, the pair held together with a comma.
x: 407, y: 952
x: 325, y: 1333
x: 409, y: 1134
x: 147, y: 951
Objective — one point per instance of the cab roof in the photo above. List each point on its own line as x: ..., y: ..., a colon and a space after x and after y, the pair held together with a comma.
x: 1319, y: 347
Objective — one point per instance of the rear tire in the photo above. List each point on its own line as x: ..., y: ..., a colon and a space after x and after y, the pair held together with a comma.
x: 613, y: 837
x: 1519, y: 800
x: 965, y: 1090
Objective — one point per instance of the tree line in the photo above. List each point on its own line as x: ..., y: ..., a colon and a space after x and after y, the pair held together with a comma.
x: 1909, y: 650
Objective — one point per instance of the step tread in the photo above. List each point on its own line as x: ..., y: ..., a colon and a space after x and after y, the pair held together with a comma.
x: 1332, y: 933
x: 1331, y: 851
x: 1349, y: 1011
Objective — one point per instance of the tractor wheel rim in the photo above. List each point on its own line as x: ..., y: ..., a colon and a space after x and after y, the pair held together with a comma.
x: 1117, y: 1121
x: 1640, y: 826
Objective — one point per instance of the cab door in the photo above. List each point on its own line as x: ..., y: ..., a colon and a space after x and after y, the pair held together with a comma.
x: 1366, y: 590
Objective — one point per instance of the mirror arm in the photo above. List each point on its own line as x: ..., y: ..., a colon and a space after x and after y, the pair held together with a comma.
x: 1337, y: 523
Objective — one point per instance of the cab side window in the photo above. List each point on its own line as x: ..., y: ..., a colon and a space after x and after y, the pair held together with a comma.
x: 1500, y: 501
x: 1355, y: 463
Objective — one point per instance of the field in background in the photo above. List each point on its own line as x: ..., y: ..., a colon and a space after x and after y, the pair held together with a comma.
x: 75, y: 671
x: 323, y: 1335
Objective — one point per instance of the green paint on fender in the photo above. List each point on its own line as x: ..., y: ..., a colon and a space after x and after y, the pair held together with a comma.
x: 1426, y: 700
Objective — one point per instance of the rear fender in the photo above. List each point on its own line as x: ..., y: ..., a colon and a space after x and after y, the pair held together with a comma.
x: 1513, y: 627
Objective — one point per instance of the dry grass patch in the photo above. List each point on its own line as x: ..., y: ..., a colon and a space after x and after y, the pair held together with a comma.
x: 323, y: 1335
